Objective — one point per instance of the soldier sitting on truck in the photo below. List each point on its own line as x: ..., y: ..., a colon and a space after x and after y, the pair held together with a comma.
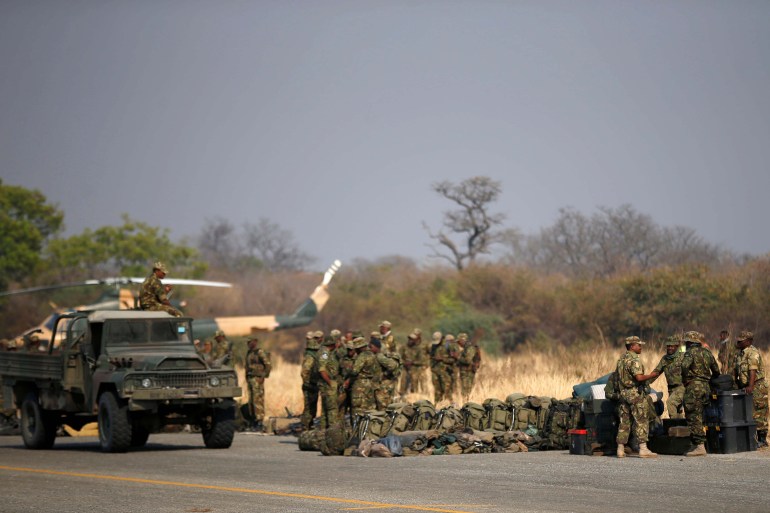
x: 154, y: 295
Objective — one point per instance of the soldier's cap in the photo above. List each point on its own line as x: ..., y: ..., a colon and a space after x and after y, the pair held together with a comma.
x: 692, y: 337
x: 745, y: 335
x: 219, y: 333
x: 318, y: 334
x: 634, y: 340
x: 160, y: 266
x: 412, y: 336
x: 309, y: 335
x: 673, y: 340
x: 385, y: 323
x: 436, y: 337
x: 359, y: 342
x: 349, y: 345
x: 329, y: 341
x: 375, y: 334
x: 449, y: 338
x: 462, y: 336
x: 335, y: 333
x: 34, y: 338
x: 417, y: 331
x: 375, y: 342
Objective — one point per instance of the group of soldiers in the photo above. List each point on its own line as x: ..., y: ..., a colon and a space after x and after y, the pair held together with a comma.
x: 688, y: 374
x: 352, y: 374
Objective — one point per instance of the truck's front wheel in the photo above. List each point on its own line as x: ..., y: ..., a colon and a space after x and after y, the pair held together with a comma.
x: 114, y: 425
x: 219, y: 429
x: 38, y: 426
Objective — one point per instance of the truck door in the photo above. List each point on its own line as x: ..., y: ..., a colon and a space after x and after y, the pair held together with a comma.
x: 78, y: 361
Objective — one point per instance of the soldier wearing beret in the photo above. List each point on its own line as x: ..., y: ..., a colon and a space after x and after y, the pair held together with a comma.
x: 749, y: 374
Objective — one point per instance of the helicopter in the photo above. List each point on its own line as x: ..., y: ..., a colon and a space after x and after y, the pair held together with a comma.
x: 124, y: 299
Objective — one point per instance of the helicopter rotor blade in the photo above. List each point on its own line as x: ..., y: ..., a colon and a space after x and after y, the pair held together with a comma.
x: 114, y: 281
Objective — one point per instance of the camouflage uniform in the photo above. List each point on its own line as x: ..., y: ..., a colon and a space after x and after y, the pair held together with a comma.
x: 330, y: 365
x: 632, y: 407
x: 698, y: 366
x: 153, y: 295
x: 365, y: 376
x: 439, y: 370
x: 258, y: 366
x: 222, y: 349
x: 346, y: 368
x: 453, y: 351
x: 391, y: 370
x: 751, y: 359
x: 310, y: 379
x: 465, y: 362
x: 671, y: 366
x: 387, y: 340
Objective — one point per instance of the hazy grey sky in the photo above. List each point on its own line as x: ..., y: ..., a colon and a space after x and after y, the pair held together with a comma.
x: 333, y: 118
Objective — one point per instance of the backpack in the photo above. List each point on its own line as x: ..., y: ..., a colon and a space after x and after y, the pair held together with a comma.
x: 401, y: 416
x: 311, y: 440
x: 529, y: 412
x: 562, y: 416
x: 474, y: 415
x: 612, y: 388
x: 334, y: 441
x: 425, y: 415
x: 449, y: 419
x: 499, y: 415
x: 372, y: 425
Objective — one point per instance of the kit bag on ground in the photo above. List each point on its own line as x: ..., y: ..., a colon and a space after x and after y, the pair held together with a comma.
x: 311, y: 440
x: 474, y: 415
x: 335, y: 440
x: 562, y: 416
x: 425, y: 415
x: 401, y: 416
x: 449, y: 419
x: 372, y: 424
x: 499, y: 415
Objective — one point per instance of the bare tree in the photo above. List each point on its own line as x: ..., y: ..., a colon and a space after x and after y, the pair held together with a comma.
x: 274, y: 246
x: 471, y: 223
x: 218, y: 243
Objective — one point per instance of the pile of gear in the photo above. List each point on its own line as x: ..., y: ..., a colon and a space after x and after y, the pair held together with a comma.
x: 520, y: 423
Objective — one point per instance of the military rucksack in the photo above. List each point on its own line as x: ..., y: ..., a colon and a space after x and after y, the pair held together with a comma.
x: 612, y: 388
x: 311, y: 440
x: 449, y: 418
x: 562, y: 416
x: 372, y: 424
x: 425, y: 415
x: 334, y: 441
x: 474, y: 415
x: 401, y: 417
x: 499, y: 415
x: 529, y: 412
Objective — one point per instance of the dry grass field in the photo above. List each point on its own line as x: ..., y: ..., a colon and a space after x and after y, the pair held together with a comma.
x: 530, y: 371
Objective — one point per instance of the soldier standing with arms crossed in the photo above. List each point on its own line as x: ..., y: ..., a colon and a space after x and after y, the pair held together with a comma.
x: 749, y: 374
x: 258, y: 367
x: 698, y: 367
x: 633, y: 404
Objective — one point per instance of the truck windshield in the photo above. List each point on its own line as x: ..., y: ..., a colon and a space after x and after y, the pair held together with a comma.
x: 146, y: 332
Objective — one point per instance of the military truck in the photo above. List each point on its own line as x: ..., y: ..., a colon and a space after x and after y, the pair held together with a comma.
x: 133, y: 372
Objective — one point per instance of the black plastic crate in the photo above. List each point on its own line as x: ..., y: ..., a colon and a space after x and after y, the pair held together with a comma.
x: 596, y: 406
x: 602, y: 428
x: 578, y: 442
x: 732, y: 407
x: 731, y: 438
x: 669, y: 445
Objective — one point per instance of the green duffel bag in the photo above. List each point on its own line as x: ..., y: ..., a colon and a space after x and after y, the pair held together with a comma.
x: 474, y: 415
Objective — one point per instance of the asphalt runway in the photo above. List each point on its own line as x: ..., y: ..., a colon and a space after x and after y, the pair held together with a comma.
x: 175, y: 473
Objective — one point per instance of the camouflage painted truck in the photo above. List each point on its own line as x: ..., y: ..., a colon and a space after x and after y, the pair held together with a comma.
x: 132, y: 372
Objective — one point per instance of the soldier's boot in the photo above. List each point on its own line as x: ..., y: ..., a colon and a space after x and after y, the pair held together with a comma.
x: 621, y: 451
x: 700, y: 450
x: 644, y: 452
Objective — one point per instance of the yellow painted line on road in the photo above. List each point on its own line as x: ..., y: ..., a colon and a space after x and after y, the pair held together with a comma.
x: 372, y: 504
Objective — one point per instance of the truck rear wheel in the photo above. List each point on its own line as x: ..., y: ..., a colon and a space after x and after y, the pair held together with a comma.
x: 114, y: 425
x: 218, y: 432
x: 38, y: 426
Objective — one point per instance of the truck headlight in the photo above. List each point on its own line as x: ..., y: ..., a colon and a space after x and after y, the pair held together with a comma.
x: 146, y: 382
x: 214, y: 381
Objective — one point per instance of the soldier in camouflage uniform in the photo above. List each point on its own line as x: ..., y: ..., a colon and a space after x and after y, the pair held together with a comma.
x: 749, y: 374
x: 439, y: 356
x: 698, y: 367
x: 413, y: 356
x: 329, y: 372
x: 207, y: 352
x: 364, y: 377
x: 154, y: 295
x: 346, y: 369
x: 310, y: 378
x: 390, y: 364
x: 453, y: 349
x: 633, y: 405
x: 386, y: 337
x: 465, y: 362
x: 671, y: 366
x: 258, y: 367
x: 222, y: 350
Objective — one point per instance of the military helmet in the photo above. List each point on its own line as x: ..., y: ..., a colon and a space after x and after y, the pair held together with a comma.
x: 335, y: 333
x: 160, y: 266
x: 359, y: 342
x: 692, y: 337
x: 318, y: 334
x: 449, y: 337
x: 634, y: 340
x: 462, y: 336
x: 745, y: 335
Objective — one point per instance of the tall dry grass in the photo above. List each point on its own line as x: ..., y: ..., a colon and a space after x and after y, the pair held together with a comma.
x: 529, y: 370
